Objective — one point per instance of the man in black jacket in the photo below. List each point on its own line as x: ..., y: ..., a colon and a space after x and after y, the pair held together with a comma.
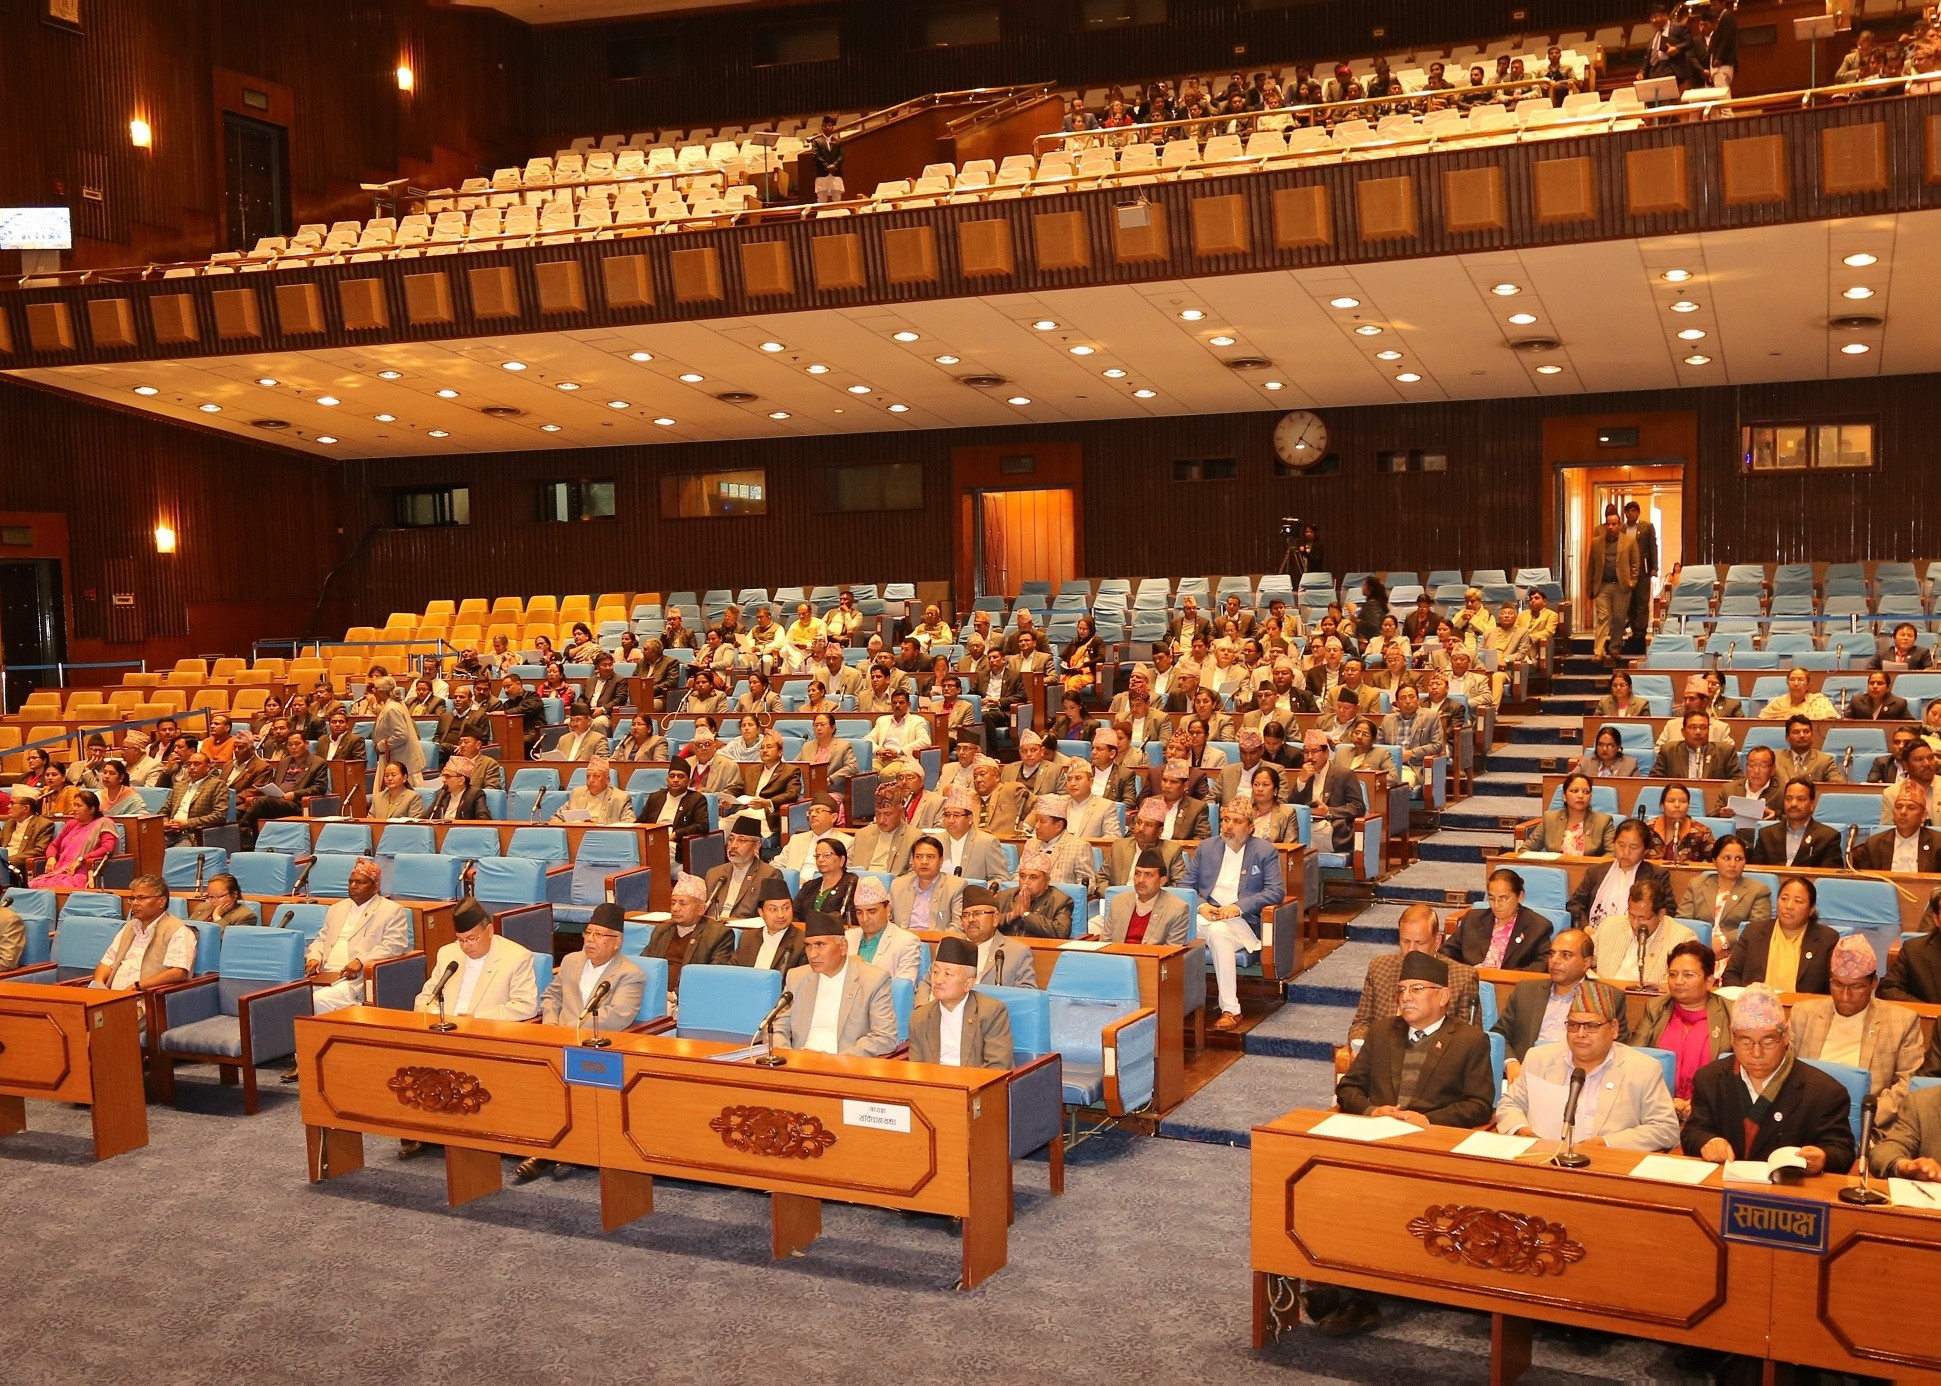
x: 1798, y: 839
x: 523, y: 704
x: 689, y: 817
x: 1797, y: 1105
x: 457, y: 800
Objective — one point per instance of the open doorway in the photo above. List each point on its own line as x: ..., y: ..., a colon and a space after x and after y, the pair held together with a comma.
x: 33, y: 633
x: 1584, y: 489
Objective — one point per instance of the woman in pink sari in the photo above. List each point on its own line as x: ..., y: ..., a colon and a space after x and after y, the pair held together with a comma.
x: 83, y: 843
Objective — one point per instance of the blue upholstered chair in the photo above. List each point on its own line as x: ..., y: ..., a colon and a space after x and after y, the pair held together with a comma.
x: 354, y: 838
x: 470, y: 841
x: 244, y: 1015
x: 75, y: 951
x: 399, y: 838
x: 723, y: 1003
x: 1667, y: 1061
x: 1037, y: 1079
x: 1108, y: 1041
x: 328, y: 874
x: 426, y: 876
x: 288, y: 835
x: 182, y: 867
x: 264, y: 873
x: 1854, y: 1080
x: 605, y: 866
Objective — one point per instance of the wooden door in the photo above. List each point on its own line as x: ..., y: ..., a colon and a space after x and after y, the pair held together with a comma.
x: 1028, y: 537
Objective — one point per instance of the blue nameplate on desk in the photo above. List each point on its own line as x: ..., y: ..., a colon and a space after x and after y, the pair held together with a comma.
x: 594, y: 1068
x: 1787, y: 1224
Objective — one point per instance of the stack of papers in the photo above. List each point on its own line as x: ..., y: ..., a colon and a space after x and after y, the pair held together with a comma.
x: 1910, y: 1193
x: 1673, y: 1169
x: 1492, y: 1146
x: 1362, y: 1128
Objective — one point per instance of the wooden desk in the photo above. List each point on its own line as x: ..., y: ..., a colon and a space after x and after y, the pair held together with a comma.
x: 1740, y: 727
x: 1703, y: 792
x: 143, y: 838
x: 74, y: 1044
x: 494, y: 1088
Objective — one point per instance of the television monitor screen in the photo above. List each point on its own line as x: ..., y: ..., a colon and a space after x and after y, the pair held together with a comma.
x: 36, y: 228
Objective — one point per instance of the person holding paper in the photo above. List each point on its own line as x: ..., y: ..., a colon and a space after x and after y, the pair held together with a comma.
x: 1755, y: 795
x: 1902, y: 650
x: 1646, y: 928
x: 1694, y: 1024
x: 1623, y: 1103
x: 1761, y: 1099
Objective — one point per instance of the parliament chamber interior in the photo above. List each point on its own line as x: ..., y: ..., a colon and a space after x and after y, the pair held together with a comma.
x: 1066, y: 682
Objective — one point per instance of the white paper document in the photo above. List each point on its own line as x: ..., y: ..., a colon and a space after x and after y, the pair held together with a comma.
x: 1544, y: 1109
x: 1492, y: 1146
x: 1911, y: 1193
x: 1342, y: 1126
x: 1082, y: 945
x: 1673, y: 1169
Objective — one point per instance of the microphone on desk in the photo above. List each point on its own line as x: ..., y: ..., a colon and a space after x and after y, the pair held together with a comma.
x: 1864, y: 1193
x: 593, y: 1002
x: 1853, y: 834
x: 442, y: 1025
x: 1567, y: 1157
x: 772, y: 1059
x: 596, y: 1040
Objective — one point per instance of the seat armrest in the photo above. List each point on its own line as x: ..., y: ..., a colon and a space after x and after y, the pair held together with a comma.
x: 1037, y: 1093
x: 659, y: 1025
x: 42, y: 973
x: 185, y: 1003
x: 269, y: 1017
x: 630, y: 889
x: 1373, y: 828
x: 1130, y: 1047
x: 396, y: 982
x: 559, y: 884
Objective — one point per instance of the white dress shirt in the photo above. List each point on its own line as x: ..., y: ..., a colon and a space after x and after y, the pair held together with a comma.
x: 950, y: 1031
x: 824, y: 1028
x: 1226, y: 886
x: 468, y: 981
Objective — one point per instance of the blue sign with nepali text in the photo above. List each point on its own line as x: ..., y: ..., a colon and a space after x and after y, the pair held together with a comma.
x: 1787, y: 1224
x: 594, y: 1068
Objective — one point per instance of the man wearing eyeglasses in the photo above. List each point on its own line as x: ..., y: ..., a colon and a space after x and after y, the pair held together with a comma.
x: 153, y: 949
x: 1624, y: 1103
x: 1760, y: 1098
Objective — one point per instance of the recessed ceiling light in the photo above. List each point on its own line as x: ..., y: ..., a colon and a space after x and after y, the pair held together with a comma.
x: 1368, y: 329
x: 1144, y: 394
x: 387, y: 418
x: 1676, y: 276
x: 692, y: 377
x: 146, y: 390
x: 325, y: 438
x: 390, y: 375
x: 1523, y: 319
x: 1191, y: 314
x: 1550, y: 370
x: 1020, y: 399
x: 1044, y: 325
x: 329, y: 401
x: 1850, y: 349
x: 568, y: 385
x: 1408, y: 377
x: 1115, y: 373
x: 899, y: 408
x: 665, y: 422
x: 1082, y: 350
x: 1506, y: 290
x: 268, y: 382
x: 618, y: 404
x: 1390, y: 355
x: 772, y: 346
x: 1221, y: 340
x: 904, y: 336
x: 217, y: 408
x: 1684, y: 305
x: 640, y: 356
x: 440, y: 433
x: 1692, y: 334
x: 947, y: 360
x: 1274, y: 385
x: 549, y: 428
x: 818, y: 369
x: 448, y: 394
x: 1857, y: 291
x: 1698, y: 359
x: 1344, y: 302
x: 512, y: 365
x: 859, y: 389
x: 1860, y: 260
x: 778, y: 413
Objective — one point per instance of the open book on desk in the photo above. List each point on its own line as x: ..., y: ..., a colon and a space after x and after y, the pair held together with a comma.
x: 1784, y: 1166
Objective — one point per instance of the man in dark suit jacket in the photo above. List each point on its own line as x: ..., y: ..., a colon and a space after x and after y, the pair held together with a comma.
x: 1878, y: 703
x: 1521, y: 1021
x: 523, y: 704
x: 1528, y: 943
x: 690, y: 814
x: 457, y: 800
x: 1713, y: 762
x: 465, y: 715
x: 690, y: 936
x: 1754, y: 950
x: 1914, y: 973
x: 660, y: 669
x: 1798, y: 1105
x: 1900, y: 648
x: 340, y: 742
x: 603, y: 692
x: 1892, y: 767
x: 1910, y: 830
x: 780, y: 934
x: 1819, y: 845
x: 726, y: 899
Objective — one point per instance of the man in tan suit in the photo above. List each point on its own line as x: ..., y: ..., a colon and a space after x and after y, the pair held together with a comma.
x: 493, y: 977
x: 1003, y: 804
x: 1160, y: 916
x: 957, y: 1025
x: 1611, y: 571
x: 1851, y: 1027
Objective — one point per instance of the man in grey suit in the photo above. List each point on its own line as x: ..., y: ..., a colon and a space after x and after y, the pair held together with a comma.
x: 884, y: 844
x: 1148, y: 829
x: 1000, y: 961
x: 1625, y: 1104
x: 394, y: 734
x: 1696, y: 756
x: 969, y: 853
x: 734, y: 887
x: 842, y: 1004
x: 197, y: 801
x: 956, y: 1025
x: 578, y: 980
x: 1800, y: 761
x: 1850, y: 1026
x: 925, y: 897
x: 1149, y: 913
x: 881, y: 942
x: 1537, y: 1009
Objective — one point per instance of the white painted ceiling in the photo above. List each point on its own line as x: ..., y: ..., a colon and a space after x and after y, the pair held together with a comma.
x: 1763, y: 298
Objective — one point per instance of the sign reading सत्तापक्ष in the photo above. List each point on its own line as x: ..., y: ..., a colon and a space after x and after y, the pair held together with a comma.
x: 1789, y: 1224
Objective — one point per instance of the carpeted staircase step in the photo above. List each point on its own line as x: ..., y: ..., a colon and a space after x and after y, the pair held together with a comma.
x: 1336, y: 979
x: 1432, y: 881
x: 1488, y: 812
x: 1376, y: 924
x: 1461, y: 845
x: 1544, y: 730
x: 1301, y: 1032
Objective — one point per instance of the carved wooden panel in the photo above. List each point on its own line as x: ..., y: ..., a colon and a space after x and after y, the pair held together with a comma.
x: 428, y: 297
x: 838, y: 261
x: 393, y: 1084
x: 766, y: 269
x: 362, y: 301
x: 1221, y: 226
x: 446, y: 1091
x: 1853, y: 159
x: 1302, y: 217
x: 1495, y: 1239
x: 111, y: 322
x: 1564, y: 190
x: 1875, y: 1297
x: 910, y: 254
x: 561, y: 287
x: 697, y: 275
x: 1061, y: 240
x: 984, y: 249
x: 1386, y: 208
x: 1655, y: 180
x: 50, y: 327
x: 1472, y: 199
x: 1753, y: 170
x: 628, y: 280
x: 173, y: 318
x: 771, y: 1131
x: 299, y: 308
x: 36, y: 1057
x: 238, y: 314
x: 493, y: 292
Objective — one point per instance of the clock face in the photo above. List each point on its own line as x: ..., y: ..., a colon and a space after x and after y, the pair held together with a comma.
x: 1301, y: 439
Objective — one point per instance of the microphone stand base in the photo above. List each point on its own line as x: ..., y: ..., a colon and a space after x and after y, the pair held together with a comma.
x: 1570, y: 1159
x: 1866, y: 1198
x: 596, y: 1042
x: 771, y: 1060
x: 442, y: 1027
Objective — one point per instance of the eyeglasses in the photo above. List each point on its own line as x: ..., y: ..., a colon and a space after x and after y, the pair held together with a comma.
x: 1761, y: 1043
x: 1586, y: 1027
